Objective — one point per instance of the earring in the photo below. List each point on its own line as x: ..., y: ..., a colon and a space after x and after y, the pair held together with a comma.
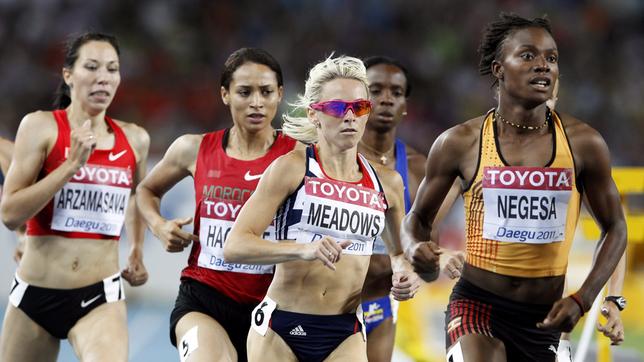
x: 404, y: 113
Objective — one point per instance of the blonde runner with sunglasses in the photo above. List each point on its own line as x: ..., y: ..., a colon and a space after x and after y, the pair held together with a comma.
x: 330, y: 205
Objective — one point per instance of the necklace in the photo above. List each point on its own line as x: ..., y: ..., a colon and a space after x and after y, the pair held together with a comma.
x: 382, y: 156
x: 520, y: 126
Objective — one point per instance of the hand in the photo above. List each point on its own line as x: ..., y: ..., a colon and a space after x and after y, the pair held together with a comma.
x: 82, y: 143
x: 454, y: 265
x: 613, y: 329
x: 405, y: 285
x: 563, y: 316
x: 173, y: 237
x: 424, y: 256
x: 326, y: 250
x: 135, y: 272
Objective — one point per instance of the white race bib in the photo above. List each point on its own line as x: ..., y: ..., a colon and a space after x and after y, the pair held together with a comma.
x: 261, y: 316
x: 216, y: 220
x: 94, y: 201
x: 343, y: 211
x: 526, y: 204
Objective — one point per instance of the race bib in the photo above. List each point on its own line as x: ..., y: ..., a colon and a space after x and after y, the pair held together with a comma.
x: 94, y: 200
x: 261, y: 316
x: 343, y: 211
x: 526, y: 204
x: 216, y: 220
x: 379, y: 247
x: 357, y: 247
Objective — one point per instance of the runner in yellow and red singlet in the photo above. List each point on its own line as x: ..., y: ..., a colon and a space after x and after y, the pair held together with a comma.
x: 524, y: 168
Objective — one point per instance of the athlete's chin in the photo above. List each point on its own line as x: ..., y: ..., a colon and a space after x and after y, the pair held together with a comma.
x: 255, y: 125
x: 536, y: 98
x: 381, y: 126
x: 95, y: 107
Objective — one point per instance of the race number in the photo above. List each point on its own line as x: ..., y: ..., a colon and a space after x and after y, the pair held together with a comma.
x: 261, y: 315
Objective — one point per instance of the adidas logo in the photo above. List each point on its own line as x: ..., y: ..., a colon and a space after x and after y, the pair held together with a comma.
x: 298, y: 331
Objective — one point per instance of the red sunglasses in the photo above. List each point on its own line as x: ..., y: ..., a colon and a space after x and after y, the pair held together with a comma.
x: 337, y: 108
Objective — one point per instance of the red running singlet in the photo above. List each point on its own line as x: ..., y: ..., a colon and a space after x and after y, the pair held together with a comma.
x: 222, y: 185
x: 93, y: 203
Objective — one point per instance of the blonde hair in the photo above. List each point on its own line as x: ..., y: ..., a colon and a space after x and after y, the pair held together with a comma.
x: 297, y: 125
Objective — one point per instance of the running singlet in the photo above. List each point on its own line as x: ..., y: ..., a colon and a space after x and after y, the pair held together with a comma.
x: 222, y: 185
x: 521, y: 220
x: 93, y: 203
x: 322, y: 206
x: 379, y: 246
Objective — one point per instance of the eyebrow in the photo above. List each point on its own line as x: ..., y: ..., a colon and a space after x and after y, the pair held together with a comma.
x: 531, y: 46
x: 98, y: 61
x: 251, y: 86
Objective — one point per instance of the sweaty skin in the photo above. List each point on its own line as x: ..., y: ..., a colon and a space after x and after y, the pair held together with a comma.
x: 57, y: 262
x: 527, y: 53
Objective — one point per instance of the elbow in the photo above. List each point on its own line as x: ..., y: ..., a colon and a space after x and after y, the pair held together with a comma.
x: 138, y: 192
x: 11, y: 223
x: 231, y: 254
x: 9, y: 219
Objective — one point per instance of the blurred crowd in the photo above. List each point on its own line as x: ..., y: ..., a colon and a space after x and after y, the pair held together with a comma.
x: 173, y: 53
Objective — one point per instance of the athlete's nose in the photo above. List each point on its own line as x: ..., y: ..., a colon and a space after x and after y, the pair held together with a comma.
x: 349, y: 116
x: 541, y: 65
x: 387, y: 98
x: 256, y: 100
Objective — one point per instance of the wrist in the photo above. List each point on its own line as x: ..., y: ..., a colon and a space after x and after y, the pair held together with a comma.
x: 410, y: 250
x: 72, y: 167
x: 575, y: 297
x: 136, y: 252
x: 617, y: 300
x: 399, y: 263
x: 156, y: 225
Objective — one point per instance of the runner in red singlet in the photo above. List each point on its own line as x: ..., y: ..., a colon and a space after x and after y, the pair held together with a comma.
x: 71, y: 180
x: 211, y: 316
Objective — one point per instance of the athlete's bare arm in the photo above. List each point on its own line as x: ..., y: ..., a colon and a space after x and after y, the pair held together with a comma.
x: 6, y: 149
x: 454, y: 262
x: 24, y: 196
x: 416, y: 162
x: 135, y: 272
x: 177, y: 163
x: 244, y: 243
x: 614, y: 328
x: 405, y: 282
x: 592, y: 161
x: 443, y: 166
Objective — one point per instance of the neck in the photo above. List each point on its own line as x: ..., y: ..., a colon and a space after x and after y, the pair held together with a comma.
x: 379, y: 141
x: 521, y: 115
x: 245, y: 143
x: 378, y: 146
x: 77, y: 115
x: 339, y: 164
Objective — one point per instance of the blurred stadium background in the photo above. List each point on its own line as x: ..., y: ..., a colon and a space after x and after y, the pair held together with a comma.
x: 173, y: 52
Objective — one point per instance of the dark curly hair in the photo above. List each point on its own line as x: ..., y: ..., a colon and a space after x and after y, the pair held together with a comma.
x: 497, y: 31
